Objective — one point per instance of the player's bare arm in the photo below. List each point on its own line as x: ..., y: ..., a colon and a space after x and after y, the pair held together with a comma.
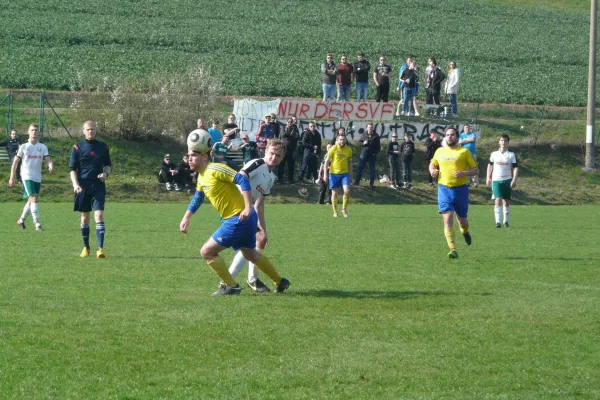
x: 50, y: 164
x: 433, y: 170
x: 488, y: 180
x: 75, y: 182
x: 13, y: 171
x: 469, y: 172
x: 513, y: 183
x: 325, y: 169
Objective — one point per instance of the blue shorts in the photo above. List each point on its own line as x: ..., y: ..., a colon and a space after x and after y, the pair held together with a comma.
x: 92, y: 196
x: 454, y: 199
x: 339, y: 180
x: 237, y: 234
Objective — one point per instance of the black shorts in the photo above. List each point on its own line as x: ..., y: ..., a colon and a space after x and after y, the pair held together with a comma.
x: 92, y: 196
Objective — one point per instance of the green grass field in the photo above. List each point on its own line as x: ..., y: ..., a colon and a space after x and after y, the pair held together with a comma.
x: 513, y: 52
x: 375, y: 310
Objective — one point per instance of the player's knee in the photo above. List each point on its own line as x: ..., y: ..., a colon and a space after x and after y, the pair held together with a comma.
x: 250, y: 254
x: 207, y: 253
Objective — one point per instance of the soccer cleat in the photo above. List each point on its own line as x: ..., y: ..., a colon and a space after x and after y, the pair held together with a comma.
x: 21, y: 223
x: 258, y: 286
x: 498, y: 225
x: 225, y: 290
x: 38, y: 227
x: 335, y: 215
x: 506, y: 224
x: 344, y: 213
x: 467, y: 237
x: 85, y: 252
x: 453, y: 255
x: 282, y: 286
x: 100, y: 253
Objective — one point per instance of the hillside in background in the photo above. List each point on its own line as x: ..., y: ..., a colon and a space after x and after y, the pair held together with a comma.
x: 507, y: 53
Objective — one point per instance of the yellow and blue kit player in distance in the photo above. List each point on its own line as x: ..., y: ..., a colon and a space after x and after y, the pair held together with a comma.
x: 339, y: 163
x: 217, y: 182
x: 90, y: 165
x: 452, y: 165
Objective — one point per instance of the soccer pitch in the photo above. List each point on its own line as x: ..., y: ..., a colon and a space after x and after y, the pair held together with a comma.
x: 375, y: 310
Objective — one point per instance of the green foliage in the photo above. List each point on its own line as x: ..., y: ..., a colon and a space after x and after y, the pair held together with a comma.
x: 377, y: 312
x: 507, y: 54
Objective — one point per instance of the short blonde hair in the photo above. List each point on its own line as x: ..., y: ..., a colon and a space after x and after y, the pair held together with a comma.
x: 276, y: 143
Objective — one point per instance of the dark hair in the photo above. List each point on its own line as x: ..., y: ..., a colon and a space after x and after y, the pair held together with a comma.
x: 505, y: 137
x: 433, y: 61
x: 360, y: 53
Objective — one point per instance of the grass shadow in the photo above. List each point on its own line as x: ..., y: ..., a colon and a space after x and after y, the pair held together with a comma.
x: 374, y: 294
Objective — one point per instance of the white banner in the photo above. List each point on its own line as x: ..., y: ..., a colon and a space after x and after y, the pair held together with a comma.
x: 254, y: 108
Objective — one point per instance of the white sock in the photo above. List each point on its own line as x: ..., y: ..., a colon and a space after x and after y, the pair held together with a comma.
x: 35, y: 213
x: 498, y: 213
x: 238, y: 263
x: 506, y: 213
x: 252, y: 270
x: 26, y: 211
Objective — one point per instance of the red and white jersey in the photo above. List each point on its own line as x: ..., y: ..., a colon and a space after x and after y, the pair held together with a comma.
x: 32, y: 158
x: 503, y: 164
x: 261, y: 179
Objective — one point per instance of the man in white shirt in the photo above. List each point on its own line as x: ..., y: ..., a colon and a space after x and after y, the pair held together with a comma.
x: 32, y: 154
x: 502, y: 173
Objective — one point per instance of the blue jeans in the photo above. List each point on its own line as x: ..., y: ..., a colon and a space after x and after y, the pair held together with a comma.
x: 362, y: 90
x: 329, y: 91
x: 361, y: 165
x: 407, y: 105
x: 452, y: 98
x: 343, y: 93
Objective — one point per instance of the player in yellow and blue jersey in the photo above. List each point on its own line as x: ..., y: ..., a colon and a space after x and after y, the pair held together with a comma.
x: 339, y: 163
x: 452, y: 165
x: 239, y: 224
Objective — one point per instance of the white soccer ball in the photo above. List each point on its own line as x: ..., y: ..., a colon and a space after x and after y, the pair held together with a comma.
x: 199, y: 141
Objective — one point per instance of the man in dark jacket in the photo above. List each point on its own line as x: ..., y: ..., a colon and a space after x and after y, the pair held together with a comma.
x: 167, y: 172
x: 370, y: 145
x: 184, y: 176
x: 310, y: 142
x: 436, y: 76
x: 407, y: 150
x: 290, y: 139
x: 393, y: 151
x: 12, y: 146
x: 432, y: 143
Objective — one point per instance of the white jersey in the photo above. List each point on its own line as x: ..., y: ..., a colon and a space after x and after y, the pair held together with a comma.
x: 503, y: 164
x: 32, y: 157
x: 261, y: 179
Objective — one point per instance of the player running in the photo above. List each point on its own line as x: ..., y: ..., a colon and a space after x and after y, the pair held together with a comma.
x: 90, y: 166
x: 502, y: 172
x: 339, y: 163
x: 259, y: 172
x: 33, y: 153
x: 452, y: 165
x: 239, y: 221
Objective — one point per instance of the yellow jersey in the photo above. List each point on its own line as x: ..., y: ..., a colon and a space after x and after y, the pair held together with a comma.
x: 217, y: 185
x: 340, y: 157
x: 449, y: 160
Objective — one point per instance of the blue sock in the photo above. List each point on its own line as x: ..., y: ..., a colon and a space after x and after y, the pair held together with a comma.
x: 85, y: 234
x: 100, y: 234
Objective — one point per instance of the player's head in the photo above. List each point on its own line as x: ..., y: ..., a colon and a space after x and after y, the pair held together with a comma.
x: 14, y: 134
x: 89, y: 130
x: 504, y: 139
x: 451, y: 137
x: 341, y: 137
x: 198, y: 162
x: 33, y: 133
x: 274, y: 153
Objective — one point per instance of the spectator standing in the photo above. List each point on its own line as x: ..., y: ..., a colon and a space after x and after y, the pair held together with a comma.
x: 167, y: 172
x: 329, y: 72
x: 324, y: 190
x: 361, y: 74
x: 400, y: 86
x: 451, y: 86
x: 393, y: 152
x: 266, y: 131
x: 467, y: 139
x: 436, y: 76
x: 230, y: 128
x: 432, y: 143
x: 12, y: 147
x: 370, y: 145
x: 215, y: 133
x: 407, y: 149
x: 276, y: 127
x: 502, y: 173
x: 290, y: 139
x: 410, y: 80
x: 249, y: 148
x: 344, y: 79
x: 381, y: 77
x: 310, y: 142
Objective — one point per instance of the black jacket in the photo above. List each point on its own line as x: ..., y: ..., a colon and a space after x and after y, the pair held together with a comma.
x: 290, y: 138
x: 406, y: 151
x: 435, y: 80
x: 432, y: 146
x: 12, y: 146
x: 308, y: 140
x: 373, y: 145
x: 167, y: 167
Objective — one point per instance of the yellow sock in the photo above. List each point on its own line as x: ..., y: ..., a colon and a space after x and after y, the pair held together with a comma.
x: 345, y: 201
x: 334, y: 203
x: 464, y: 229
x: 218, y: 265
x: 450, y: 234
x: 265, y: 265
